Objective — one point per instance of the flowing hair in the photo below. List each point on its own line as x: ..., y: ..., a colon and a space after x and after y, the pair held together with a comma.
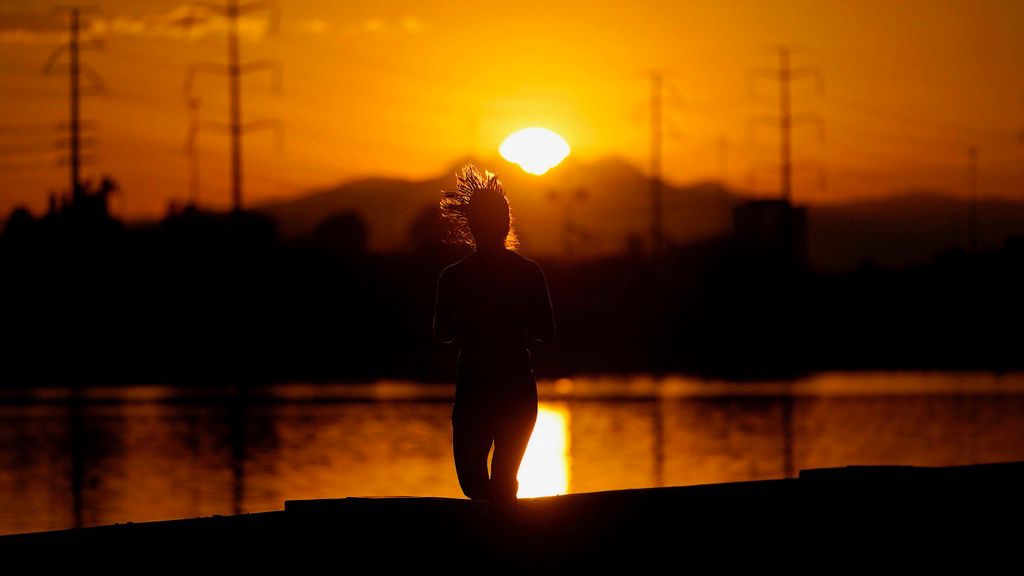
x: 455, y: 205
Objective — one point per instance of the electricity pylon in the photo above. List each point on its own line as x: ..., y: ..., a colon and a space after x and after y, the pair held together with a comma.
x: 657, y: 230
x: 75, y: 69
x: 234, y: 70
x: 785, y: 74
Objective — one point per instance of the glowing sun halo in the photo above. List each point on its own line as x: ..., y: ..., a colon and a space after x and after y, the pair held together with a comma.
x: 536, y: 150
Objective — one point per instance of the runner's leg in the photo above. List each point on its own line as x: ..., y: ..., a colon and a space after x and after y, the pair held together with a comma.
x: 512, y: 434
x: 471, y: 442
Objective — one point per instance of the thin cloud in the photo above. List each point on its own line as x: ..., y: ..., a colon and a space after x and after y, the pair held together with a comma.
x: 374, y: 25
x: 31, y: 26
x: 412, y: 24
x: 408, y: 24
x: 181, y: 23
x: 315, y: 27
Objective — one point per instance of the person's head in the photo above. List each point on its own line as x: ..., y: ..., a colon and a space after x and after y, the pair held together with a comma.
x: 478, y: 211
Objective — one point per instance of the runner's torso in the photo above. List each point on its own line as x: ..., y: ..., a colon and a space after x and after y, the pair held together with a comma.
x: 494, y: 360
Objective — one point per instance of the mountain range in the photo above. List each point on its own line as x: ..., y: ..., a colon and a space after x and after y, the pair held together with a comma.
x: 603, y: 206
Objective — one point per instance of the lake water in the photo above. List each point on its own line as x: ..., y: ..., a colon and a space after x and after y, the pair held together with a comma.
x: 151, y: 452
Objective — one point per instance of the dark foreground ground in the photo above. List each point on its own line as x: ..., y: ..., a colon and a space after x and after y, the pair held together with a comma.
x: 889, y: 518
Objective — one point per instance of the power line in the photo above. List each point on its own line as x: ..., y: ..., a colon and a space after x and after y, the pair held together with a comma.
x: 234, y: 70
x: 972, y: 190
x: 784, y: 75
x: 723, y: 159
x: 193, y: 151
x: 903, y: 117
x: 75, y: 71
x: 657, y: 232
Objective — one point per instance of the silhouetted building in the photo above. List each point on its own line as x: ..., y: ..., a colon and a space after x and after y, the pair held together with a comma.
x: 772, y: 228
x: 89, y: 203
x: 342, y: 234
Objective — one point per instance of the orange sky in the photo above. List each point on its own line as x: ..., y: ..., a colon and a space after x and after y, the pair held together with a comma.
x: 403, y: 88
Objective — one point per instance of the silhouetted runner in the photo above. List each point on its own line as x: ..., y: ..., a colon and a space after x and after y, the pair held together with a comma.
x: 493, y: 302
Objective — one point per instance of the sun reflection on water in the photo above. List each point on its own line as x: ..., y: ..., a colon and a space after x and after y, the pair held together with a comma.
x: 545, y: 467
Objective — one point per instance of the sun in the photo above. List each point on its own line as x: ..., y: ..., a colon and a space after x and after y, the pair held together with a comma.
x: 535, y: 150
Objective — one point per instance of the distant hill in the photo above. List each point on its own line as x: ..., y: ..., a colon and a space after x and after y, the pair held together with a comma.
x: 614, y: 204
x: 908, y: 227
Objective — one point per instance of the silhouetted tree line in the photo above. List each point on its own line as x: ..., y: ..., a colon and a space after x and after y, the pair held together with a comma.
x: 222, y: 299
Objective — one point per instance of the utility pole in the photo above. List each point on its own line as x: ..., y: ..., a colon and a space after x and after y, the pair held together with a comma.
x: 75, y: 69
x: 723, y: 160
x: 657, y: 232
x: 785, y: 125
x: 1020, y: 135
x: 475, y: 126
x: 235, y: 70
x: 570, y: 231
x: 193, y: 151
x: 784, y: 75
x: 972, y: 210
x: 75, y: 189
